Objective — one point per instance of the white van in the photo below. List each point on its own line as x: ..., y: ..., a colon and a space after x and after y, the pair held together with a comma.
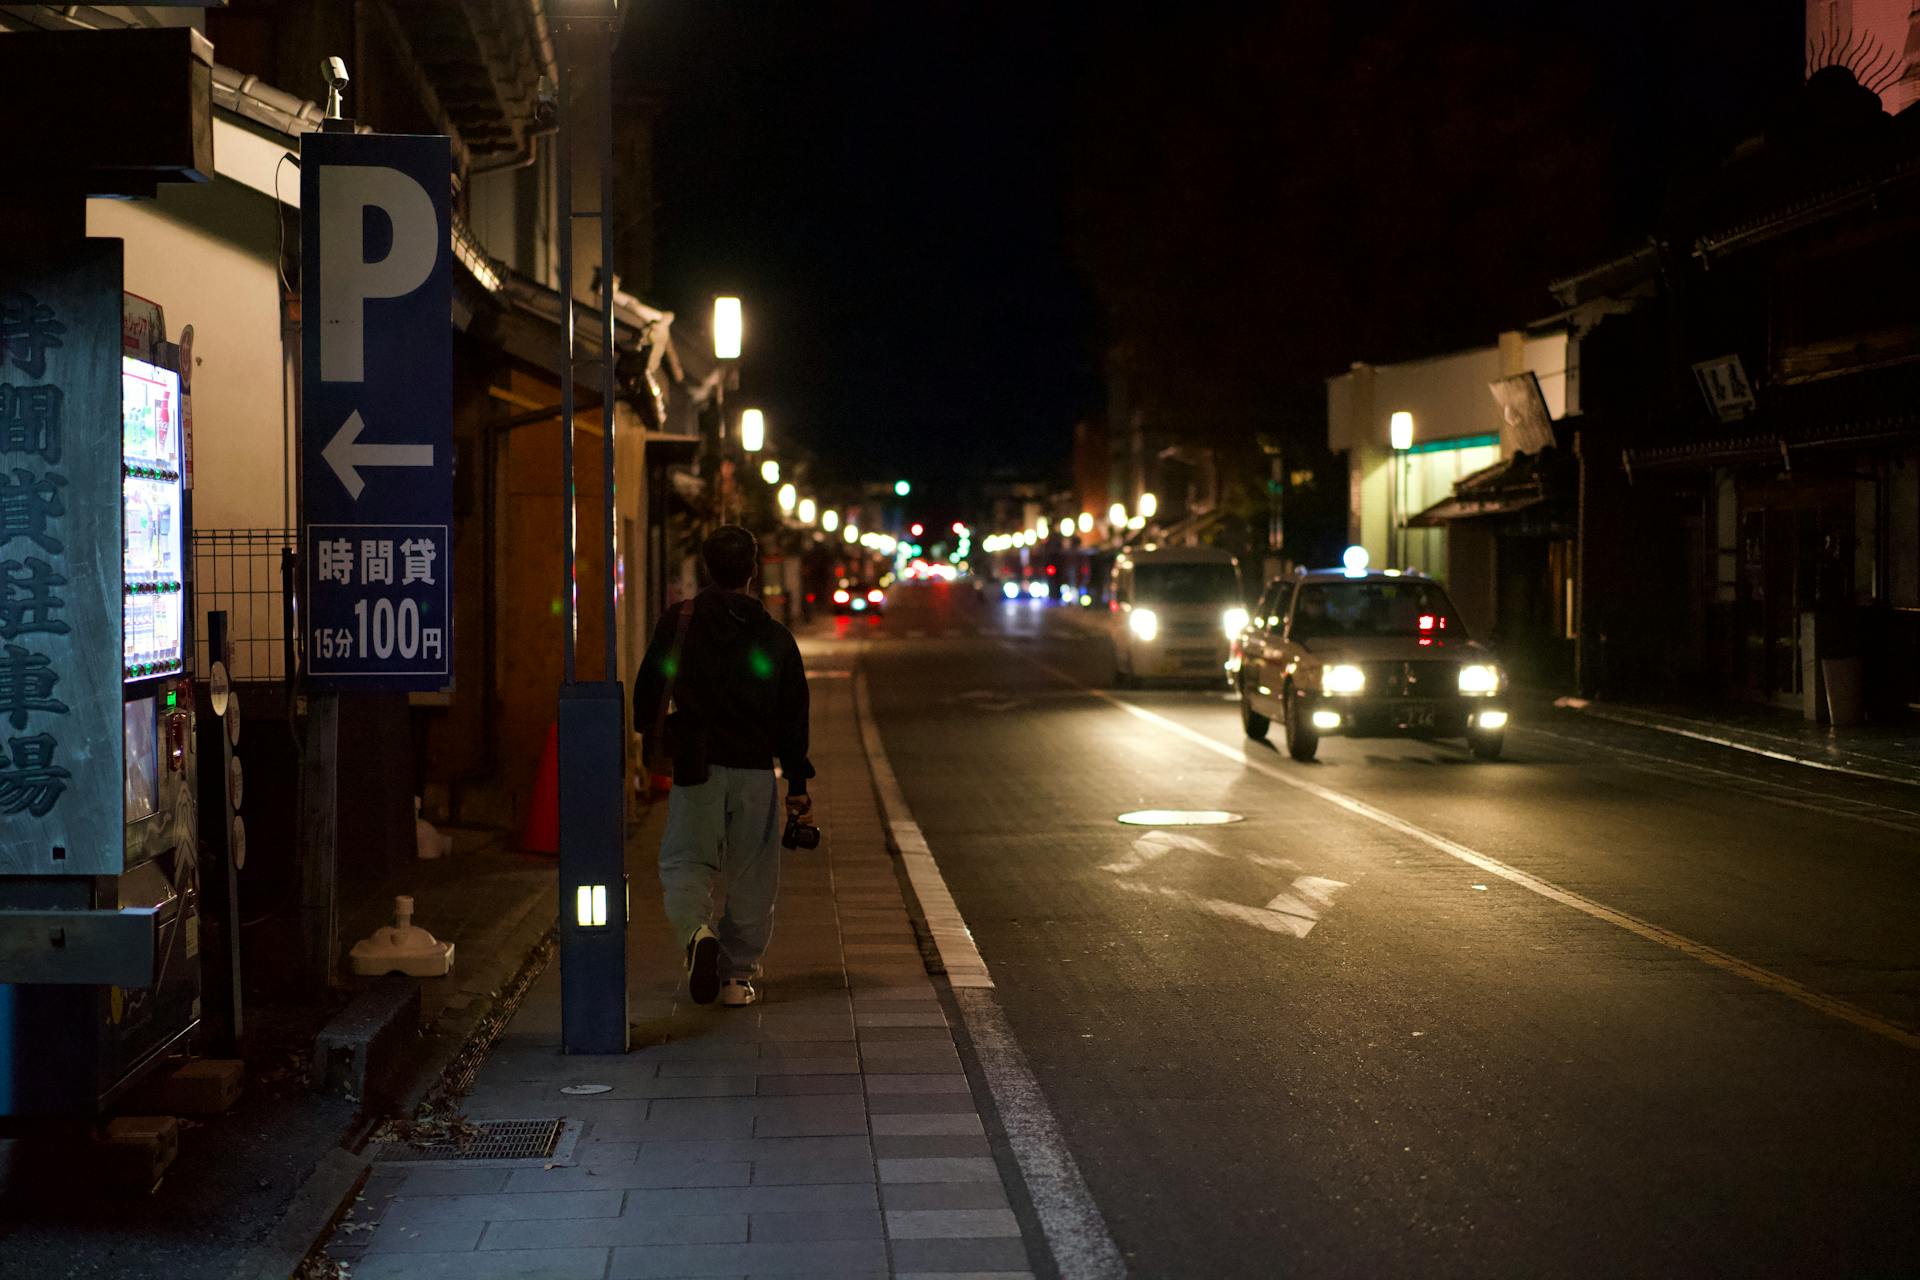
x: 1173, y: 611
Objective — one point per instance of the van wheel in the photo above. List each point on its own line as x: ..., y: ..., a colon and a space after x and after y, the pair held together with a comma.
x: 1252, y: 721
x: 1302, y: 743
x: 1487, y: 746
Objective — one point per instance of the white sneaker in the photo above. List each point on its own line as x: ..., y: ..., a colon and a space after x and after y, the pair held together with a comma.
x: 737, y: 993
x: 703, y: 965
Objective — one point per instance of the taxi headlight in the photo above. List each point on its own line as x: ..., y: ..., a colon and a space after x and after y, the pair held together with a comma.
x: 1479, y: 677
x: 1344, y: 678
x: 1233, y: 622
x: 1144, y: 623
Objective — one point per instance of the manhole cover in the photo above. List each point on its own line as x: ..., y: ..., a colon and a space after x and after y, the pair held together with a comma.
x: 1180, y: 818
x: 496, y: 1140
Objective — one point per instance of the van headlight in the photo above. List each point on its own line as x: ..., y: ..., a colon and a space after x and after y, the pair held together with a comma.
x: 1479, y: 677
x: 1343, y: 678
x: 1233, y: 622
x: 1144, y: 623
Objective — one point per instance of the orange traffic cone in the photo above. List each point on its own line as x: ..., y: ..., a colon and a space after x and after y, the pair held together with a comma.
x: 542, y: 834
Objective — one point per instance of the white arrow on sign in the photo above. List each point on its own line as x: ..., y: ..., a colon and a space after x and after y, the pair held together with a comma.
x: 346, y: 455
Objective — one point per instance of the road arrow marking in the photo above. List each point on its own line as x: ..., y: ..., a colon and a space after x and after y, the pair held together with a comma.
x: 1294, y: 912
x: 346, y: 456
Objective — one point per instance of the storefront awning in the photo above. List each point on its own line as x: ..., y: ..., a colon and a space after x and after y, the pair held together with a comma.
x: 1771, y: 448
x: 1449, y: 509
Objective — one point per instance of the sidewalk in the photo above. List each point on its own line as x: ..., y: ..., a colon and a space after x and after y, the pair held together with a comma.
x: 1889, y: 753
x: 829, y: 1130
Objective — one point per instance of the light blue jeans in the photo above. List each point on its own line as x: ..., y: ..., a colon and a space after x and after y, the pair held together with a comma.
x: 728, y: 825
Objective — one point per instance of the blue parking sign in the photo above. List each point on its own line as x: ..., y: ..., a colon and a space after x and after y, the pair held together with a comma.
x: 376, y: 295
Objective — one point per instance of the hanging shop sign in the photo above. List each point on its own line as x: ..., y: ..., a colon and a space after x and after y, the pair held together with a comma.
x: 377, y: 483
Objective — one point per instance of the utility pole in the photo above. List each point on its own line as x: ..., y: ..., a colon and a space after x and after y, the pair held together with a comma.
x: 592, y: 714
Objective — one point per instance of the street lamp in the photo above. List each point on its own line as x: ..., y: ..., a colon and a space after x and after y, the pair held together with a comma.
x: 851, y: 533
x: 807, y: 510
x: 1086, y: 522
x: 1149, y: 506
x: 770, y: 471
x: 829, y: 519
x: 1400, y: 436
x: 727, y: 328
x: 1066, y: 527
x: 786, y: 498
x: 753, y: 430
x: 1117, y: 516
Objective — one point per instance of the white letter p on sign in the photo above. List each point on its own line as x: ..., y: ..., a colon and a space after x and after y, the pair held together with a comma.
x: 346, y: 279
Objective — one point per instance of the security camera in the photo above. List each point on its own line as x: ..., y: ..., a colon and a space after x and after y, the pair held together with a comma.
x: 335, y: 70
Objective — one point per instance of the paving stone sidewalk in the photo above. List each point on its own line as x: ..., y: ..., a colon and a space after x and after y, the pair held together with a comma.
x: 828, y: 1131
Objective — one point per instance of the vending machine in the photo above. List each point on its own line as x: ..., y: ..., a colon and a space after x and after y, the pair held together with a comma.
x: 99, y: 970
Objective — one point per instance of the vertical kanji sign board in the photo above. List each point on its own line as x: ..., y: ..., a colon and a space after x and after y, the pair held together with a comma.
x: 62, y: 786
x: 376, y: 300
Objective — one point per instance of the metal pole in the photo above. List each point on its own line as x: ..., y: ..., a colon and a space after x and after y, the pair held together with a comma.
x: 565, y: 138
x: 608, y: 408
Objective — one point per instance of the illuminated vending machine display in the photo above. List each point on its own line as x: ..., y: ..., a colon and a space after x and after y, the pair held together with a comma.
x: 161, y: 868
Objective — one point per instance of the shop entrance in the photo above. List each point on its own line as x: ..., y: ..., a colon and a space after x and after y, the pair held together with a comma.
x: 1796, y: 557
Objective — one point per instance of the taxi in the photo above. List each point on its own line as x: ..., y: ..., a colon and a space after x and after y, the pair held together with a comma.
x: 1363, y: 653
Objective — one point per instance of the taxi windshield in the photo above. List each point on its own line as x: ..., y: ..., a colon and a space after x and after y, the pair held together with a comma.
x: 1201, y: 583
x: 1374, y: 608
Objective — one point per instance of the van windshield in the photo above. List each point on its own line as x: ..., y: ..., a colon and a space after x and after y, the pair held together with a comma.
x: 1186, y: 584
x: 1375, y: 609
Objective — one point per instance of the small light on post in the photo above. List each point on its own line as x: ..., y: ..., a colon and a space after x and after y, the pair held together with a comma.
x: 590, y: 906
x: 770, y: 471
x: 753, y: 430
x: 808, y: 509
x: 727, y: 328
x: 787, y: 497
x: 1149, y: 506
x: 1086, y: 522
x: 1066, y: 528
x: 1117, y: 516
x: 830, y: 520
x: 1400, y: 429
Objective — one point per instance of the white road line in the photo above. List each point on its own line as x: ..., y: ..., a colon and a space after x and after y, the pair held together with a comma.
x: 1780, y: 984
x: 1083, y: 1248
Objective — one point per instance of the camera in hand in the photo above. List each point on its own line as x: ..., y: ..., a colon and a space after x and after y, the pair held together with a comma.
x: 800, y: 835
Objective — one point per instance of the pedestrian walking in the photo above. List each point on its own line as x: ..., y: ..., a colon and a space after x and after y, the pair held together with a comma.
x: 722, y: 691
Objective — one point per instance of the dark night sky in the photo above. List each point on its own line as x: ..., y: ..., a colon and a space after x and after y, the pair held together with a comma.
x: 939, y: 214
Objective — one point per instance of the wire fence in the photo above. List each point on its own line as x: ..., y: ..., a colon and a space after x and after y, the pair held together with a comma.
x: 245, y: 572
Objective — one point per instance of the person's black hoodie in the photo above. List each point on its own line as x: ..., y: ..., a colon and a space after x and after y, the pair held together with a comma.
x: 740, y: 695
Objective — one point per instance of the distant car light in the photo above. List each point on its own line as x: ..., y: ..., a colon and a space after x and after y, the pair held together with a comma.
x: 1326, y: 719
x: 1343, y: 678
x: 1038, y: 590
x: 1234, y: 621
x: 859, y: 606
x: 1492, y: 719
x: 1010, y: 589
x: 1144, y: 623
x: 876, y: 596
x: 841, y: 597
x: 1478, y: 677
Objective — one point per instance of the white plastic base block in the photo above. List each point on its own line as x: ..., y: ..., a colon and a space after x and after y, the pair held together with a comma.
x: 402, y: 947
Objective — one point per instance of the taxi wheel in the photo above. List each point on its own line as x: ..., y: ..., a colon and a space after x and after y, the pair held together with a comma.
x: 1487, y: 746
x: 1252, y: 721
x: 1302, y: 742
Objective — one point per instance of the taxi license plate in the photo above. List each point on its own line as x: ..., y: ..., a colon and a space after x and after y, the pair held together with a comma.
x: 1417, y: 718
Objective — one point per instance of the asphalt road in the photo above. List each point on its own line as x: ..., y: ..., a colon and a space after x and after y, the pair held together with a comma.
x: 1664, y: 1026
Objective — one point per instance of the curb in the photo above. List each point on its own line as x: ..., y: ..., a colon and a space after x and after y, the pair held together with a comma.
x: 1588, y: 708
x: 319, y: 1201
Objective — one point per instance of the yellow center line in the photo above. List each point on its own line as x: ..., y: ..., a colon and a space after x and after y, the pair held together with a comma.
x: 1780, y: 984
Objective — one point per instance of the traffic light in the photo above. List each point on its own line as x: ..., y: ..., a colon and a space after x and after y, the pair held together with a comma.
x: 902, y: 488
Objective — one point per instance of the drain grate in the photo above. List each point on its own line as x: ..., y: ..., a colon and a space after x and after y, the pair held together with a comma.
x: 496, y: 1140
